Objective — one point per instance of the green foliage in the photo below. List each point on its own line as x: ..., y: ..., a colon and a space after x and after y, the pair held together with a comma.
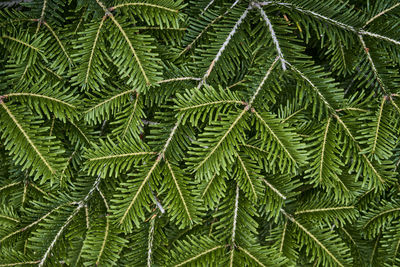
x: 199, y: 133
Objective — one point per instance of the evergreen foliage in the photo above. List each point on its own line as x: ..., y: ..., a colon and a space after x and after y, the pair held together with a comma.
x: 199, y: 133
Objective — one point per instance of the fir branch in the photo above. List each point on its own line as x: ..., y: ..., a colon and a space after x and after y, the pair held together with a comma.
x: 378, y: 124
x: 260, y: 86
x: 224, y: 45
x: 380, y: 14
x: 143, y: 4
x: 313, y: 237
x: 274, y: 135
x: 109, y: 100
x: 57, y: 236
x: 283, y: 236
x: 9, y: 185
x: 274, y: 189
x: 150, y: 242
x: 332, y: 21
x: 180, y: 79
x: 212, y: 104
x: 372, y: 64
x: 381, y: 180
x: 135, y: 105
x: 104, y: 239
x: 143, y: 183
x: 323, y: 150
x: 40, y: 96
x: 41, y: 19
x: 324, y: 209
x: 179, y: 190
x: 121, y: 156
x: 21, y: 42
x: 207, y: 6
x: 208, y: 185
x: 133, y: 50
x: 235, y: 214
x: 35, y: 222
x: 273, y: 35
x: 93, y: 48
x: 9, y: 218
x: 315, y: 88
x: 251, y: 256
x: 218, y: 144
x: 58, y: 41
x: 378, y: 215
x: 28, y: 139
x: 247, y: 176
x: 198, y: 256
x: 19, y: 263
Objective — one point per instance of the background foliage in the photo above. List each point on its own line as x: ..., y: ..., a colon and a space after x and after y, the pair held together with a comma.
x: 199, y: 133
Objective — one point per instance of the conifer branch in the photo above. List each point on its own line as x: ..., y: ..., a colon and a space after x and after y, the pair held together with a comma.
x: 251, y: 256
x: 179, y: 79
x: 378, y: 124
x: 109, y: 100
x: 135, y: 105
x: 179, y: 189
x: 58, y: 41
x: 121, y: 156
x: 189, y: 46
x: 291, y: 115
x: 198, y: 256
x: 273, y: 35
x: 212, y: 104
x: 315, y: 88
x: 332, y: 21
x: 253, y: 97
x: 140, y: 189
x: 143, y: 4
x: 41, y: 96
x: 133, y: 50
x: 207, y: 6
x: 321, y: 166
x: 9, y: 185
x: 380, y: 14
x: 274, y: 135
x: 35, y: 222
x: 380, y: 214
x: 234, y: 123
x: 313, y: 237
x: 103, y: 245
x: 224, y: 45
x: 19, y: 263
x: 359, y: 149
x: 235, y: 214
x: 374, y: 251
x: 324, y: 209
x: 80, y: 205
x: 38, y: 188
x: 93, y: 48
x: 378, y: 78
x: 247, y: 176
x: 150, y: 242
x: 9, y: 218
x: 21, y: 42
x: 26, y: 136
x: 283, y: 236
x: 57, y: 236
x: 208, y: 185
x: 273, y: 188
x: 87, y: 217
x: 40, y: 21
